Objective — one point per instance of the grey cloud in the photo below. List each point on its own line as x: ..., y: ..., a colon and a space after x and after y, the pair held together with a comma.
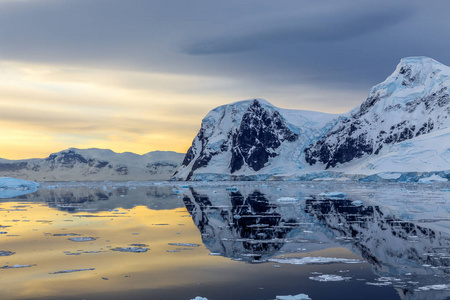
x: 263, y: 45
x: 320, y: 27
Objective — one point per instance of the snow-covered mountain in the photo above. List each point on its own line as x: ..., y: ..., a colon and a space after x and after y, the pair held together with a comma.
x: 412, y: 102
x: 403, y: 126
x: 94, y: 164
x: 252, y: 139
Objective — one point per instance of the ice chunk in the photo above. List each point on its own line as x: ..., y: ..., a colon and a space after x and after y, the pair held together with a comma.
x: 435, y: 287
x: 131, y: 249
x: 184, y: 244
x: 295, y: 297
x: 199, y: 298
x: 333, y: 195
x: 287, y: 200
x: 357, y: 203
x: 15, y: 266
x: 66, y: 234
x: 72, y: 271
x: 82, y: 239
x: 433, y: 178
x: 385, y: 283
x: 315, y: 260
x: 328, y: 277
x: 13, y: 187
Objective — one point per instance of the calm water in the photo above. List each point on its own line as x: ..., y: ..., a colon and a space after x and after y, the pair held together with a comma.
x: 226, y: 241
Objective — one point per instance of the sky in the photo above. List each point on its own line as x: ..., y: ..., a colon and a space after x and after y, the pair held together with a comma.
x: 140, y: 75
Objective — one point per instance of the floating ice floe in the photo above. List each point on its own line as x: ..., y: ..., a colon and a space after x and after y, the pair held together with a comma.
x: 329, y: 278
x: 385, y: 283
x: 130, y: 249
x: 15, y: 266
x: 13, y: 187
x: 315, y: 260
x: 333, y: 195
x: 72, y: 271
x: 82, y: 239
x: 184, y: 244
x: 294, y: 297
x: 357, y: 203
x: 199, y: 298
x: 433, y: 178
x: 287, y: 200
x: 66, y: 234
x: 435, y: 287
x: 6, y: 253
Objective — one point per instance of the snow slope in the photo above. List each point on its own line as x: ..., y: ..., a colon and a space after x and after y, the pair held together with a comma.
x: 94, y: 164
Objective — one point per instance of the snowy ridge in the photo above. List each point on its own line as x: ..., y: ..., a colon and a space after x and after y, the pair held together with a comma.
x: 411, y: 102
x: 94, y: 164
x: 402, y: 127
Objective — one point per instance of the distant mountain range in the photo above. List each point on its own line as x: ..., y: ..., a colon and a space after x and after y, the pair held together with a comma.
x: 94, y: 165
x: 400, y: 132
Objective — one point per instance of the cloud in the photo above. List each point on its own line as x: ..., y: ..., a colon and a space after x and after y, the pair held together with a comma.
x: 320, y: 26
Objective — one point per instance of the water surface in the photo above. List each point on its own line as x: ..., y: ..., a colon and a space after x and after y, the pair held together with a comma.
x: 225, y: 241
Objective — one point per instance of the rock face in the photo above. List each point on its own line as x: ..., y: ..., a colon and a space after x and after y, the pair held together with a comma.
x: 251, y: 138
x: 94, y: 164
x: 260, y: 133
x: 413, y: 101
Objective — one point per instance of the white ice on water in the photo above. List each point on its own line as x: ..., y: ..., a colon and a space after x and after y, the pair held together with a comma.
x: 294, y: 297
x: 315, y: 260
x: 329, y: 277
x: 13, y: 187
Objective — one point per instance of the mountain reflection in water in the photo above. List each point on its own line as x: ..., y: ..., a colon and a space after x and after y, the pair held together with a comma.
x: 252, y: 228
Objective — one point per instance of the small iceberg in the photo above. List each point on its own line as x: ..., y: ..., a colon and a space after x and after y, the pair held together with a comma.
x: 72, y: 271
x: 131, y: 249
x: 82, y: 239
x: 357, y: 203
x: 329, y: 278
x: 287, y: 200
x: 433, y: 178
x: 435, y: 287
x: 184, y: 244
x: 315, y: 260
x: 13, y: 187
x: 295, y: 297
x: 333, y: 195
x: 15, y: 266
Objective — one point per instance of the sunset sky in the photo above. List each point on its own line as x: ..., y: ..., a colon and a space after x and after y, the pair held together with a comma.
x: 140, y: 75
